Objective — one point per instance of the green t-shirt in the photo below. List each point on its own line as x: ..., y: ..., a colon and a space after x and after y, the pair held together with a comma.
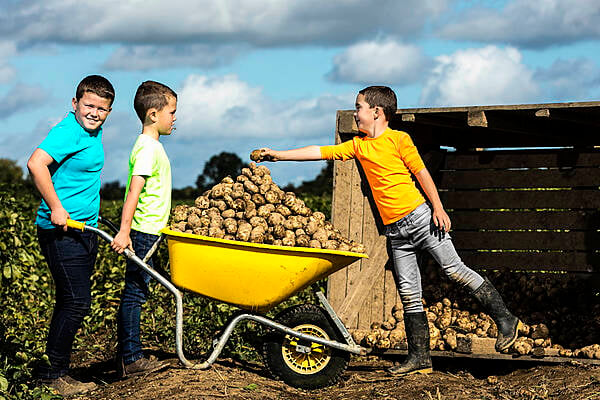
x: 148, y: 159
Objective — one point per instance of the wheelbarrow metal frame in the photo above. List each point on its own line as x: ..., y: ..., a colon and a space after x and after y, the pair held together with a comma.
x: 218, y: 345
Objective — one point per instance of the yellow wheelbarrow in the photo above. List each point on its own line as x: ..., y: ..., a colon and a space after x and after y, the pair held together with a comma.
x: 307, y: 346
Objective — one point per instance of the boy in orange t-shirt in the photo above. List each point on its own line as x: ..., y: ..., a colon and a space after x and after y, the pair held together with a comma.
x: 388, y: 158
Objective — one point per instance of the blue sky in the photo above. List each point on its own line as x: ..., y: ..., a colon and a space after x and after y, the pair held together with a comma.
x: 271, y: 73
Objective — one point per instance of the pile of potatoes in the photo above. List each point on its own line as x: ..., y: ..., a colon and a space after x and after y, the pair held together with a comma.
x: 558, y: 313
x: 253, y: 209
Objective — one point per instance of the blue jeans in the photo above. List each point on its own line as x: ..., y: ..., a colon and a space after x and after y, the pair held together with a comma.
x: 416, y: 232
x: 133, y: 297
x: 71, y: 257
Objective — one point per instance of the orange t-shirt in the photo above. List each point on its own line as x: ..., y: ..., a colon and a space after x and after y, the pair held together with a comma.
x: 388, y: 161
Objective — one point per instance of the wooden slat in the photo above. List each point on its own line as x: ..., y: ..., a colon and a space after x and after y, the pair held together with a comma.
x: 356, y: 233
x: 522, y: 159
x: 528, y: 178
x: 475, y: 219
x: 562, y: 199
x: 526, y: 240
x: 545, y: 261
x: 348, y: 311
x: 497, y: 356
x: 340, y: 215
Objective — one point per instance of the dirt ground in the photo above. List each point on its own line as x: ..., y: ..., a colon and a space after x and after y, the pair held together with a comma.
x: 365, y: 378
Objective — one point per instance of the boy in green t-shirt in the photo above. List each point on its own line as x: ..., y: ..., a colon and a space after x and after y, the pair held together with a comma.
x: 145, y: 213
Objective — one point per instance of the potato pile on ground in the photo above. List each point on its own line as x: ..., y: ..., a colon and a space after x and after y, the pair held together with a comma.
x: 559, y: 313
x: 252, y: 208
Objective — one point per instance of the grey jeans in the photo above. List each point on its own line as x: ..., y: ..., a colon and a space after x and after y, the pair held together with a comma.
x: 416, y: 232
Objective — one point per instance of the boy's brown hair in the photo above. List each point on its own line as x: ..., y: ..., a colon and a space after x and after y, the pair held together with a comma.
x: 96, y: 84
x: 151, y: 94
x: 381, y: 96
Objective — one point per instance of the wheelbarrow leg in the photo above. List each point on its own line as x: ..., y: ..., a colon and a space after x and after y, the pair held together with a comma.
x: 336, y: 320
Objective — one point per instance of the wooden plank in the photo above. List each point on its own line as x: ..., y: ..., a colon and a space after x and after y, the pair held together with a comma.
x: 346, y: 122
x: 372, y: 239
x: 391, y: 296
x: 526, y: 178
x: 478, y: 345
x: 340, y: 215
x: 533, y: 261
x: 522, y: 159
x: 588, y: 106
x: 497, y: 356
x: 348, y: 310
x: 534, y: 199
x: 515, y: 240
x: 355, y: 232
x: 475, y: 219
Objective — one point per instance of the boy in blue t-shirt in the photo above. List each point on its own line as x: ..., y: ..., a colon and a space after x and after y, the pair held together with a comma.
x: 145, y: 213
x: 66, y: 170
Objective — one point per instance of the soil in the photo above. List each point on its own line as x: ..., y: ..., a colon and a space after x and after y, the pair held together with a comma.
x: 365, y: 378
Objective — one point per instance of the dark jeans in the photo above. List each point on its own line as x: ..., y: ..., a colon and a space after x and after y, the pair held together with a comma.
x: 134, y: 295
x: 70, y: 256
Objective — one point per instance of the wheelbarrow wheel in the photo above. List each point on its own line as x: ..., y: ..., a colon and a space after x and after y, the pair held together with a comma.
x: 300, y: 363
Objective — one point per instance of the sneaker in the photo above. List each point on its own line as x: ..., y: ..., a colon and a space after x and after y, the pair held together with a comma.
x: 142, y: 366
x: 69, y: 386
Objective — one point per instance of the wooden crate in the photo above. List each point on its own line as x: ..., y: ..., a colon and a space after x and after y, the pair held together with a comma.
x: 533, y: 209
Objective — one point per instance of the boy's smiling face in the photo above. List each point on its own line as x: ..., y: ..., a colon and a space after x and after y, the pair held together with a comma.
x: 364, y: 114
x: 91, y: 110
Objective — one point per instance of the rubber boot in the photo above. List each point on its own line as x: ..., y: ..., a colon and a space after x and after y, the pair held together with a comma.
x: 418, y: 360
x: 508, y: 325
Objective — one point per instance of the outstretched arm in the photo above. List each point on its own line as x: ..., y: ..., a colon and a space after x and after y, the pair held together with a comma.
x: 308, y: 153
x: 38, y: 168
x: 440, y: 217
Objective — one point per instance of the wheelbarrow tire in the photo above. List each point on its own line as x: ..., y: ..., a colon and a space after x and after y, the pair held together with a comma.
x: 322, y: 366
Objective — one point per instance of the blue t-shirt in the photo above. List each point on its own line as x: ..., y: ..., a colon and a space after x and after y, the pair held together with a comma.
x: 78, y: 160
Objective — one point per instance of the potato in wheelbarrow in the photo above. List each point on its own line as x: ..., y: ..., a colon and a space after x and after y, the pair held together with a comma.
x: 253, y: 209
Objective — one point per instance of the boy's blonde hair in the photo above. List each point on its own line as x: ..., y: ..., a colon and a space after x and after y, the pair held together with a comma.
x: 151, y: 94
x: 381, y: 96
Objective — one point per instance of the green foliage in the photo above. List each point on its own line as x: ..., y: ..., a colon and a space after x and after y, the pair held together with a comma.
x: 27, y: 298
x: 10, y: 172
x: 217, y: 168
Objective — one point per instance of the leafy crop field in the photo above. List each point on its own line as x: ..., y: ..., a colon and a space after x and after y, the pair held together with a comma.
x: 26, y: 296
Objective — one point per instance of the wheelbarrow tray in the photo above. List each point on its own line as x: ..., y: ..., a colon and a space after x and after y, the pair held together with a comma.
x: 251, y: 276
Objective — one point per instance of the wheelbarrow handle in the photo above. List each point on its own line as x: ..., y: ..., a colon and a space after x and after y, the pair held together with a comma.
x: 71, y: 223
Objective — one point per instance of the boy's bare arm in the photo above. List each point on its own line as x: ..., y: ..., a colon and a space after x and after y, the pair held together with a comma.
x: 38, y: 169
x: 308, y: 153
x: 440, y: 217
x: 122, y: 240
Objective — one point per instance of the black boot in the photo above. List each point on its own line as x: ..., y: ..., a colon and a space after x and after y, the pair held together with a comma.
x: 418, y: 360
x: 508, y: 325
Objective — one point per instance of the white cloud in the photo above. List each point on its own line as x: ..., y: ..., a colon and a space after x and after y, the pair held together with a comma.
x: 227, y: 114
x: 488, y: 75
x: 571, y: 80
x: 7, y: 71
x: 21, y: 97
x: 528, y: 23
x: 259, y: 22
x: 144, y: 57
x: 227, y: 107
x: 383, y: 61
x: 213, y: 115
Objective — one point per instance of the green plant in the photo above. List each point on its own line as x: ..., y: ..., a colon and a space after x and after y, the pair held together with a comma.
x: 27, y: 298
